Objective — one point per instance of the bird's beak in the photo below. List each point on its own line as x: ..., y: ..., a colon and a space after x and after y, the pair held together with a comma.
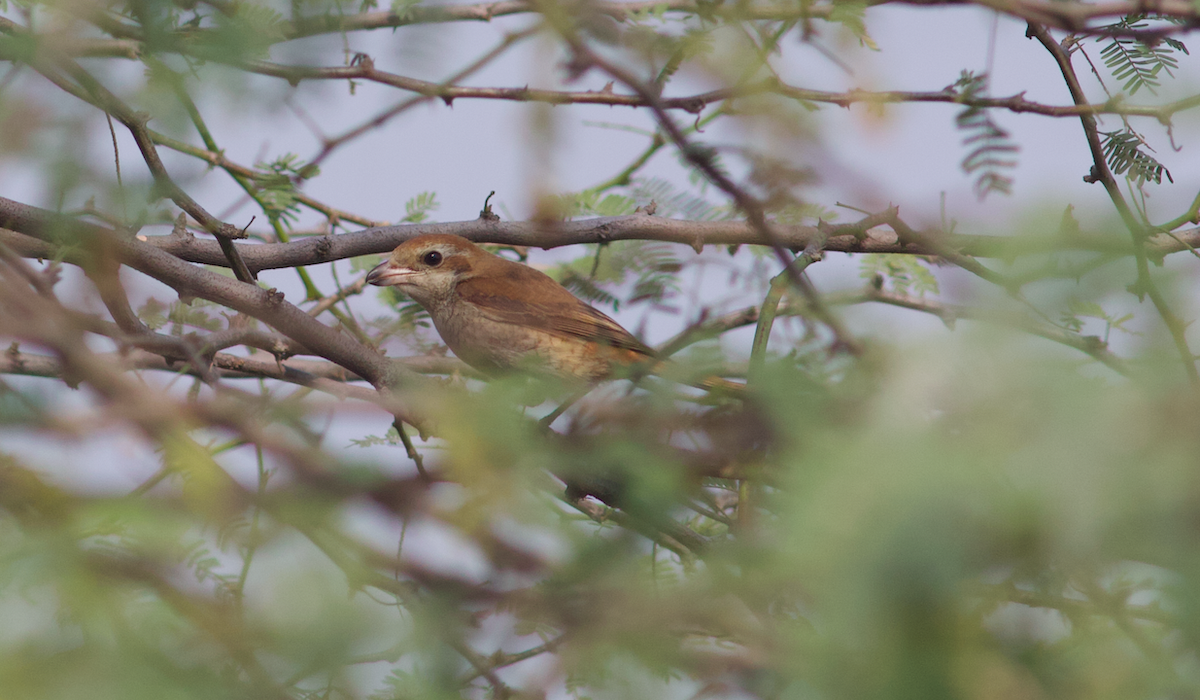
x: 385, y: 274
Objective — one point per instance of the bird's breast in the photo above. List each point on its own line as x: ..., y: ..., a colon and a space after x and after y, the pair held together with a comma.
x: 495, y: 347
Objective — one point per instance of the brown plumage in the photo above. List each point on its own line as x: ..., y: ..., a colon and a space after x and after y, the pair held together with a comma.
x: 498, y: 315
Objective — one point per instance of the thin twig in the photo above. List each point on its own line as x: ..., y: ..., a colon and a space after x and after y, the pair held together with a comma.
x: 1138, y: 230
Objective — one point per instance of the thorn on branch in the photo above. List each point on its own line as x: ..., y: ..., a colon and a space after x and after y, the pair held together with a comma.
x: 324, y: 248
x: 232, y: 232
x: 905, y: 235
x: 487, y: 214
x: 825, y: 231
x: 15, y: 357
x: 180, y: 229
x: 648, y: 210
x: 281, y: 351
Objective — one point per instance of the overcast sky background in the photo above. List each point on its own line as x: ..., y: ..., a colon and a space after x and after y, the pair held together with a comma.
x: 906, y: 155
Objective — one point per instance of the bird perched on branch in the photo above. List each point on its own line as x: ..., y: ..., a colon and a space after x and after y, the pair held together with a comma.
x: 500, y: 316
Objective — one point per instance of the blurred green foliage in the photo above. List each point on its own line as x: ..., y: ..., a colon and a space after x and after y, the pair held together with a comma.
x: 1006, y: 511
x: 976, y: 520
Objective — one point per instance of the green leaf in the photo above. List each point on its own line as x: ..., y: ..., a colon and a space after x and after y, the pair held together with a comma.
x: 404, y: 9
x: 153, y: 313
x: 417, y: 209
x: 1133, y: 61
x: 248, y: 32
x: 391, y: 437
x: 852, y: 16
x: 615, y: 205
x: 183, y: 315
x: 572, y: 204
x: 364, y: 263
x: 587, y: 289
x: 652, y: 266
x: 906, y: 274
x: 991, y: 147
x: 277, y: 193
x: 1086, y: 308
x: 672, y: 202
x: 410, y: 314
x: 805, y: 212
x: 1124, y: 154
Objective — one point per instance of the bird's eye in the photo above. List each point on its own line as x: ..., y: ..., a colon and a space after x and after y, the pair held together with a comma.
x: 432, y: 258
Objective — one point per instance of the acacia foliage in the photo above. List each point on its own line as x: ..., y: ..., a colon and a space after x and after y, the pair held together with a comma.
x: 1007, y: 509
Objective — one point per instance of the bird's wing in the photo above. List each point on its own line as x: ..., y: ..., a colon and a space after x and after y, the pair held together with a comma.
x: 555, y: 310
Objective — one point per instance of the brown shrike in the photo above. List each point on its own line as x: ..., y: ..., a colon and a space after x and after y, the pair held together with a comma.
x: 500, y: 316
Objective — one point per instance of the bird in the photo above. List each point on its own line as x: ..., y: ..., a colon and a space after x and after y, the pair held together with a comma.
x: 501, y: 317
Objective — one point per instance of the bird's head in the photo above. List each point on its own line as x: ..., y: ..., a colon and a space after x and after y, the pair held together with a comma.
x: 428, y: 268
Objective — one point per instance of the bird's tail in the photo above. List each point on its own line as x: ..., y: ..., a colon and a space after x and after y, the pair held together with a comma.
x: 723, y: 387
x: 670, y: 370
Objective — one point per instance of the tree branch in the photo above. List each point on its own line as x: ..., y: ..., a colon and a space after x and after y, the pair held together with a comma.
x: 1138, y: 230
x: 267, y: 305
